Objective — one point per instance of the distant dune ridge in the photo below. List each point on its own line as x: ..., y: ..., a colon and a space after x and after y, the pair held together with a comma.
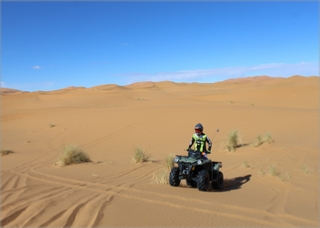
x: 150, y: 84
x: 4, y: 91
x: 266, y: 184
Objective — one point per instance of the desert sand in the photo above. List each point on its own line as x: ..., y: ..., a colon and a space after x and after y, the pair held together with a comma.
x: 273, y: 185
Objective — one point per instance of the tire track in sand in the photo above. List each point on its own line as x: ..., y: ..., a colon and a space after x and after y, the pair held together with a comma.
x: 47, y: 156
x: 230, y: 211
x: 38, y: 207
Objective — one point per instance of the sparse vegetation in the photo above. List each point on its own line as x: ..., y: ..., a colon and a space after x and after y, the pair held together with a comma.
x: 232, y: 142
x: 267, y: 138
x: 245, y: 164
x: 261, y: 140
x: 52, y: 125
x: 73, y: 154
x: 139, y: 156
x: 161, y: 176
x: 6, y: 152
x: 285, y: 177
x: 258, y: 141
x: 305, y: 169
x: 262, y: 172
x: 274, y: 171
x: 169, y: 161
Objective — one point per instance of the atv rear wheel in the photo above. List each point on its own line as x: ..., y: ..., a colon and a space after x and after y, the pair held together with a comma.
x: 174, y: 177
x: 203, y: 180
x: 191, y: 183
x: 218, y: 185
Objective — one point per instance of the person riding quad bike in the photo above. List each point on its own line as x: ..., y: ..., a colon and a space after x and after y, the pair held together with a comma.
x: 200, y: 139
x: 198, y: 171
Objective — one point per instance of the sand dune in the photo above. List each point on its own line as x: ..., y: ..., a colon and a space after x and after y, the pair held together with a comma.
x: 109, y: 121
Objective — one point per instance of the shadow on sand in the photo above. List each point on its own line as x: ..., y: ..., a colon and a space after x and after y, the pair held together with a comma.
x: 235, y: 183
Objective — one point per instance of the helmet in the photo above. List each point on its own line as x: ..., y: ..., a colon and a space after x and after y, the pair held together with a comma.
x: 198, y: 128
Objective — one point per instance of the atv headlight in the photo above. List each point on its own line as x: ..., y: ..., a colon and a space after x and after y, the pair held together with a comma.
x: 176, y: 160
x: 199, y: 162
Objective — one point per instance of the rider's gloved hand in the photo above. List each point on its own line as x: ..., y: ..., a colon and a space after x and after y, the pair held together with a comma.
x: 209, y: 152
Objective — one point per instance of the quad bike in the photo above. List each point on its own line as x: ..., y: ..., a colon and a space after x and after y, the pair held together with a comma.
x: 197, y: 171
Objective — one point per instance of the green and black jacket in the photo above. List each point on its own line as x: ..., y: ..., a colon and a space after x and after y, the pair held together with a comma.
x: 200, y: 142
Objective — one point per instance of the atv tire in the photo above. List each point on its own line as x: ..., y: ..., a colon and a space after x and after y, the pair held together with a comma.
x: 174, y: 177
x: 203, y: 180
x: 218, y: 185
x: 191, y: 183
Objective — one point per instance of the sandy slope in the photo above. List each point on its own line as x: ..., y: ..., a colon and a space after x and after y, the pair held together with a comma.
x: 109, y: 121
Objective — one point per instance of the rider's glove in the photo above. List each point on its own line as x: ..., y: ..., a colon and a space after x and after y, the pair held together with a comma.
x: 209, y: 152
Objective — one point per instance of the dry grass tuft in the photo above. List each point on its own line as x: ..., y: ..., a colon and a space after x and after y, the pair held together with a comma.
x: 139, y: 156
x: 245, y: 164
x: 73, y: 154
x: 274, y: 171
x: 257, y: 142
x: 268, y: 138
x: 285, y: 176
x: 306, y: 169
x: 169, y: 161
x: 6, y: 152
x: 232, y: 142
x: 261, y: 140
x: 161, y: 176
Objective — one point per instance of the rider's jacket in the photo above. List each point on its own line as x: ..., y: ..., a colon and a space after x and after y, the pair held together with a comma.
x: 200, y: 142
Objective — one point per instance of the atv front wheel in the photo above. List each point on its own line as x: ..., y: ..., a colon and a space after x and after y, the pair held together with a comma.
x: 218, y: 185
x: 174, y: 177
x: 203, y: 180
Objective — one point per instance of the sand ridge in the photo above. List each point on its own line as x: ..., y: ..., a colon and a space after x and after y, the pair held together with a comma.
x: 109, y: 121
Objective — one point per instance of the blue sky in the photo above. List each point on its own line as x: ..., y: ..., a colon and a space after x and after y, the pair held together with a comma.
x: 52, y: 45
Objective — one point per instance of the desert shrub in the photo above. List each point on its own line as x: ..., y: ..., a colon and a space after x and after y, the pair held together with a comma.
x: 261, y: 140
x: 73, y: 154
x: 232, y: 142
x: 258, y: 141
x: 139, y: 156
x: 169, y: 161
x: 6, y: 152
x: 274, y: 171
x: 285, y: 176
x: 161, y: 176
x: 267, y: 138
x: 306, y: 169
x: 245, y: 164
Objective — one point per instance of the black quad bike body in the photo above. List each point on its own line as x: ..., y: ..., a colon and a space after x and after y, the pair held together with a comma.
x: 197, y: 171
